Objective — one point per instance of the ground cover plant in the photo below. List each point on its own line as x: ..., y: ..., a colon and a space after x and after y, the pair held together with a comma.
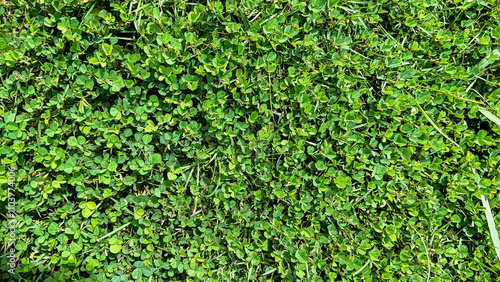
x: 324, y: 140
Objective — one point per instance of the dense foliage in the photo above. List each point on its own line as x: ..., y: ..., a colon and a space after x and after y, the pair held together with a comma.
x: 250, y: 140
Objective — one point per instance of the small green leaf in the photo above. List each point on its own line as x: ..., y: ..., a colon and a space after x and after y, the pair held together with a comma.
x: 271, y: 56
x: 147, y: 138
x: 320, y: 165
x: 138, y: 213
x: 86, y: 212
x: 301, y: 255
x: 81, y: 140
x: 129, y: 180
x: 171, y: 176
x: 107, y: 193
x: 91, y: 205
x: 108, y: 49
x: 113, y: 111
x: 380, y: 170
x: 8, y: 117
x: 112, y: 166
x: 137, y: 273
x: 156, y: 158
x: 72, y: 141
x: 75, y: 248
x: 115, y: 248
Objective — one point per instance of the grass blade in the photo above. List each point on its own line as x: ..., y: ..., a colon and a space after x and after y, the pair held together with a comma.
x: 431, y: 121
x: 490, y: 115
x: 486, y: 203
x: 114, y: 231
x: 361, y: 269
x: 491, y: 225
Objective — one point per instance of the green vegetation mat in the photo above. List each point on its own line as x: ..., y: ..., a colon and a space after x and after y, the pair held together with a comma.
x: 323, y: 140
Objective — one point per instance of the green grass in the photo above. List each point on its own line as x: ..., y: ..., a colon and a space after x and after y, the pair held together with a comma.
x: 323, y: 140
